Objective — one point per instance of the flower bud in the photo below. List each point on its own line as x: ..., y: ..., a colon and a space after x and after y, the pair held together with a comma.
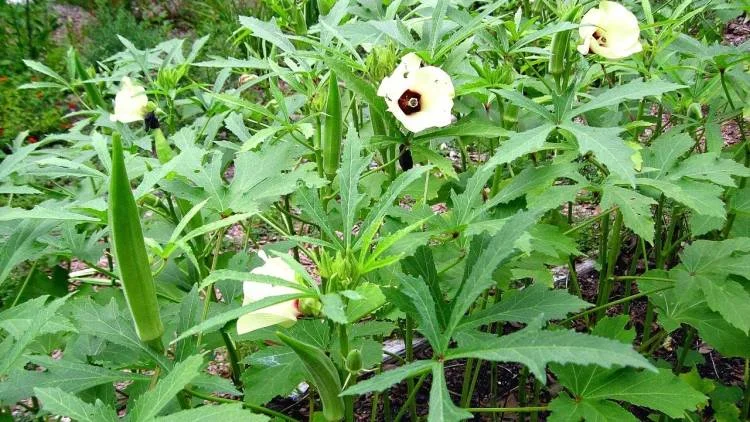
x: 354, y: 361
x: 695, y: 112
x: 380, y: 62
x: 309, y: 306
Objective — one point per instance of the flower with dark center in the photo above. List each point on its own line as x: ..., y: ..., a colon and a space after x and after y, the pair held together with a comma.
x: 418, y: 96
x: 130, y: 102
x: 610, y: 31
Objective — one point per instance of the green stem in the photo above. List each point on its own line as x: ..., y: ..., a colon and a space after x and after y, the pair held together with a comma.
x: 253, y: 407
x: 587, y: 222
x: 409, y: 343
x: 466, y: 381
x: 210, y: 293
x: 410, y: 401
x: 657, y: 230
x: 344, y: 346
x: 234, y: 360
x: 23, y: 286
x: 537, y: 391
x: 522, y: 389
x: 506, y: 409
x: 574, y: 287
x: 647, y: 322
x: 746, y: 402
x: 613, y: 253
x: 615, y: 302
x: 689, y: 337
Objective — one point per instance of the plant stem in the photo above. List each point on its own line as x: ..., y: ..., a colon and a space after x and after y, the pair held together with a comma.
x: 647, y: 322
x: 574, y: 287
x: 210, y: 293
x: 466, y: 381
x: 253, y: 407
x: 234, y: 360
x: 23, y: 286
x: 408, y: 340
x: 506, y: 409
x: 658, y: 234
x: 589, y: 221
x: 522, y: 389
x: 411, y: 403
x: 689, y: 337
x: 612, y: 254
x: 746, y: 402
x: 344, y: 346
x: 615, y: 302
x: 537, y: 391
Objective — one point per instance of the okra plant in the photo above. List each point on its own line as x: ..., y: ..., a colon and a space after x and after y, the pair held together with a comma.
x: 538, y: 203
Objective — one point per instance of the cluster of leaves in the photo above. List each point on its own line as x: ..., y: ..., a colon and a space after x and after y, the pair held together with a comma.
x: 253, y: 155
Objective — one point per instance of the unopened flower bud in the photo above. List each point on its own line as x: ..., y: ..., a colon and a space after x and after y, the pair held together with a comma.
x: 354, y: 361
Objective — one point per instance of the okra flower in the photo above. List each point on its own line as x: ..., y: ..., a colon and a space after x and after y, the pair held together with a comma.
x: 610, y: 31
x: 419, y: 96
x: 130, y: 102
x: 285, y: 313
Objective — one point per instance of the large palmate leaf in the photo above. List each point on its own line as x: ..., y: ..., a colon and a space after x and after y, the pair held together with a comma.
x: 386, y: 379
x: 498, y: 250
x: 708, y: 265
x: 109, y: 323
x: 424, y: 309
x: 536, y: 348
x: 65, y: 374
x: 661, y: 391
x: 352, y: 166
x: 688, y: 306
x: 527, y: 305
x: 24, y: 324
x: 520, y: 144
x: 22, y: 244
x: 273, y: 371
x: 607, y: 147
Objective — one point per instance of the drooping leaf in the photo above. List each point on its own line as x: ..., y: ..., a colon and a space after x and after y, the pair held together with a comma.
x: 273, y: 371
x: 442, y: 408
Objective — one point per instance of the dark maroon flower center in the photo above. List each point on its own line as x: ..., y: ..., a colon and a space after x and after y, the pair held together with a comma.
x: 409, y: 102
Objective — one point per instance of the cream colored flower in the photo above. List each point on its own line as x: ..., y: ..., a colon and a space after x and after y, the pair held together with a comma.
x: 285, y: 313
x: 610, y: 31
x: 419, y: 97
x: 130, y: 102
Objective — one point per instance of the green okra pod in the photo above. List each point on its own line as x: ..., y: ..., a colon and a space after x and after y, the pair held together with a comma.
x: 130, y: 250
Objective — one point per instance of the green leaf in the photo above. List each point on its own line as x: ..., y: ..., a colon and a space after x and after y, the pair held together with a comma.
x: 527, y: 305
x: 24, y: 323
x: 310, y: 204
x: 382, y: 381
x: 664, y: 152
x: 150, y: 403
x: 210, y: 413
x: 22, y: 244
x: 333, y: 307
x: 268, y: 31
x: 374, y: 218
x: 710, y: 167
x: 536, y: 348
x: 41, y: 213
x: 497, y: 251
x: 67, y: 375
x: 634, y: 207
x: 686, y: 306
x: 219, y: 275
x: 520, y: 144
x: 634, y: 90
x: 352, y: 166
x: 606, y: 145
x: 442, y: 408
x: 224, y: 317
x: 371, y: 298
x: 464, y: 127
x: 661, y: 391
x: 58, y: 402
x: 425, y: 314
x: 563, y: 409
x: 524, y: 103
x: 273, y: 371
x: 422, y: 264
x: 109, y: 323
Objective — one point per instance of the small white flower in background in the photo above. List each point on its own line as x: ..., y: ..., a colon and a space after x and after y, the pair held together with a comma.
x: 130, y: 102
x: 610, y: 31
x: 285, y: 313
x: 419, y: 97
